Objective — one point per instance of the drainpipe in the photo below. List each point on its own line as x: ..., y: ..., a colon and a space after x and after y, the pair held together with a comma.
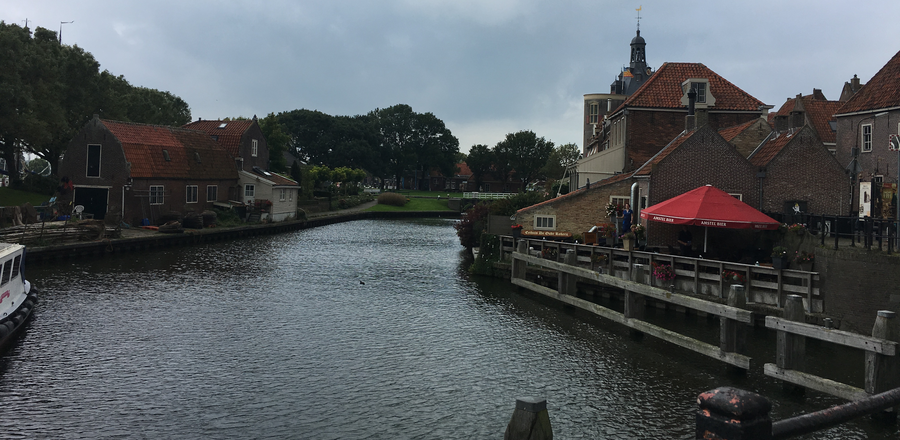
x: 635, y: 200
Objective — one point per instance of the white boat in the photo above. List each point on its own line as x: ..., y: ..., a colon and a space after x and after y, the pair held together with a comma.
x: 17, y: 299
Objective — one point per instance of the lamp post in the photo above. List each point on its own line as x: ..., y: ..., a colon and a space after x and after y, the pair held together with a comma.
x: 60, y: 28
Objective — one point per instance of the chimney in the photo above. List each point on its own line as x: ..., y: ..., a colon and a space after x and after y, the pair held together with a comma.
x: 690, y: 121
x: 854, y: 82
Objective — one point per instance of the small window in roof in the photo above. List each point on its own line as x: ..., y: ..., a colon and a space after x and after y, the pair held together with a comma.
x: 166, y: 155
x: 833, y: 125
x: 197, y: 157
x: 222, y: 125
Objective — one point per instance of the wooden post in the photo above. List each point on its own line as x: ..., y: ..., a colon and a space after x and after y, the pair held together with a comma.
x: 791, y: 348
x: 732, y: 414
x: 519, y: 266
x: 530, y: 421
x: 634, y: 302
x: 733, y: 334
x: 883, y: 372
x: 566, y: 282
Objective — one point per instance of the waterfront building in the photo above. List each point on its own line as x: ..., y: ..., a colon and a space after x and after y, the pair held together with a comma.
x: 865, y: 124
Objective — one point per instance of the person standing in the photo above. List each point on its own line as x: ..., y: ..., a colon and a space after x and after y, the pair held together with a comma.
x: 627, y: 216
x: 685, y: 240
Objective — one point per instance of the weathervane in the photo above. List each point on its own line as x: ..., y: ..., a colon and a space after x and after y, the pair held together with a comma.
x: 639, y: 16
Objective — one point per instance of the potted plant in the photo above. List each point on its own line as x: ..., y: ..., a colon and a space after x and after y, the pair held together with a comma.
x: 516, y: 231
x: 607, y: 231
x: 663, y: 272
x: 732, y: 277
x: 779, y: 257
x: 640, y: 232
x: 804, y: 260
x: 628, y: 241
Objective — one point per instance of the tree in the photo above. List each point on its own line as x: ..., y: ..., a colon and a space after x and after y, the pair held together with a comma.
x: 524, y: 153
x: 277, y: 140
x: 49, y: 91
x: 562, y: 157
x: 480, y: 161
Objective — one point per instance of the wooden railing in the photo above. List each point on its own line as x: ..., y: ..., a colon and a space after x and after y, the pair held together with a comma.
x: 763, y: 285
x: 487, y: 195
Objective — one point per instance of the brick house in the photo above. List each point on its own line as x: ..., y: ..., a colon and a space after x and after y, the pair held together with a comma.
x: 865, y: 123
x: 643, y: 124
x: 139, y: 171
x: 813, y: 111
x: 798, y: 174
x: 747, y: 136
x: 691, y: 159
x: 246, y: 144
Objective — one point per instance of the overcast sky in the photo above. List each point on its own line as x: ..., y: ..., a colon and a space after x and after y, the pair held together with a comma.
x: 485, y: 67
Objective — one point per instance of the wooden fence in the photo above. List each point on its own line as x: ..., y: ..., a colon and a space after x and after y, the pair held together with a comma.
x: 763, y: 285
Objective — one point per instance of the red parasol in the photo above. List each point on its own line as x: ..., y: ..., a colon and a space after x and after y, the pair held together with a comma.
x: 710, y: 207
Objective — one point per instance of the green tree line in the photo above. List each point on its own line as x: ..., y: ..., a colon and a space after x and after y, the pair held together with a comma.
x: 48, y: 91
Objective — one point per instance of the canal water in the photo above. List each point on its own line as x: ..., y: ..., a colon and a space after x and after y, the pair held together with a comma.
x: 361, y: 330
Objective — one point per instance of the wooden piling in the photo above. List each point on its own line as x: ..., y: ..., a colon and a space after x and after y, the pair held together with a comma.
x: 519, y: 267
x: 733, y: 334
x: 634, y: 302
x: 567, y: 281
x: 791, y: 348
x: 530, y: 421
x: 882, y: 371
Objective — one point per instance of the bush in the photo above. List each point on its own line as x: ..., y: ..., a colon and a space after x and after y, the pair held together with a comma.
x: 393, y: 199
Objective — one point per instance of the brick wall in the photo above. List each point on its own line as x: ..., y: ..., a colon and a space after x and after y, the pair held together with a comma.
x: 577, y: 212
x: 649, y: 131
x: 804, y: 170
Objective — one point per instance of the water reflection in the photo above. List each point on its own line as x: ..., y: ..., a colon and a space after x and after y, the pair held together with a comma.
x: 370, y: 329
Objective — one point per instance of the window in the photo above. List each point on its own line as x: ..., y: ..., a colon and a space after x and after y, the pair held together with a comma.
x: 283, y: 195
x: 93, y: 161
x: 212, y: 193
x: 249, y: 190
x: 866, y: 137
x: 166, y: 156
x: 157, y: 195
x: 15, y: 267
x: 701, y: 91
x: 291, y: 195
x: 545, y: 222
x: 594, y: 113
x: 254, y: 148
x: 7, y: 269
x: 737, y: 196
x: 191, y: 194
x: 620, y: 201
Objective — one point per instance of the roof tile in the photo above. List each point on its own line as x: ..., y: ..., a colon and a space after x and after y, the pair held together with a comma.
x: 663, y: 89
x: 882, y: 91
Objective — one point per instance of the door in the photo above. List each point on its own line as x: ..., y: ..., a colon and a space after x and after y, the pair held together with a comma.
x: 94, y: 200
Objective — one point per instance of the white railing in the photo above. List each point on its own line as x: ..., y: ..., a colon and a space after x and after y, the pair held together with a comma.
x: 489, y: 196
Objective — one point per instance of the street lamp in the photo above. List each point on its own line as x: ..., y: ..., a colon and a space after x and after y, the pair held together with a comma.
x: 60, y: 28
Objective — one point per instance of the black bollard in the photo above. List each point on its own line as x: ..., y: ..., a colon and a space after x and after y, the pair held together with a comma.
x: 530, y: 421
x: 731, y: 414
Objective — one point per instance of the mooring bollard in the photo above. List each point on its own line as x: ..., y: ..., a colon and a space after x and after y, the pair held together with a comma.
x: 731, y: 414
x: 530, y: 421
x: 732, y: 334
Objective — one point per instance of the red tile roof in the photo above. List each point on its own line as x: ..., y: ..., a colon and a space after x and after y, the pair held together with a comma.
x: 663, y: 89
x: 609, y: 180
x: 882, y: 91
x: 819, y: 112
x: 772, y: 146
x: 143, y: 146
x: 729, y: 133
x: 463, y: 169
x: 277, y: 179
x: 228, y: 136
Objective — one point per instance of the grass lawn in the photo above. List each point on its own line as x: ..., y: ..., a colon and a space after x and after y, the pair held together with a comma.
x: 14, y: 197
x: 416, y: 205
x: 412, y: 193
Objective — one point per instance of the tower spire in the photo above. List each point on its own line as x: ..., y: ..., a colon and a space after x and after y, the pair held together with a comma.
x: 639, y: 18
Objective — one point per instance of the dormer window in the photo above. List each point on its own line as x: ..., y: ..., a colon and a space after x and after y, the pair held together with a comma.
x: 704, y: 95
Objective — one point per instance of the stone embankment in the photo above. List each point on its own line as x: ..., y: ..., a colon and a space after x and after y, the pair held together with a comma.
x: 138, y: 239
